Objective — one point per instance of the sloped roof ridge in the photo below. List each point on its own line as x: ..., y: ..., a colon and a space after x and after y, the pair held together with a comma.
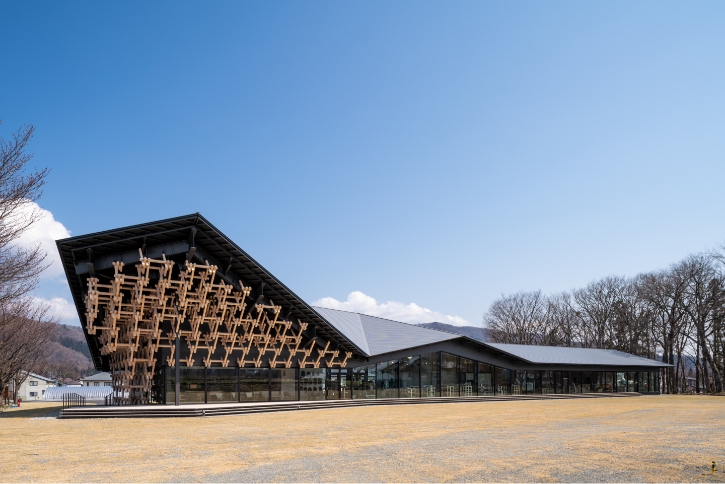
x: 393, y: 321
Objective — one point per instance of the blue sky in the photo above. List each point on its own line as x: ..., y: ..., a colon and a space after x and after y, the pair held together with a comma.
x: 416, y: 152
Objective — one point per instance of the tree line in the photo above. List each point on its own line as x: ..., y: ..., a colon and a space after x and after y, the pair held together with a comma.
x: 673, y: 315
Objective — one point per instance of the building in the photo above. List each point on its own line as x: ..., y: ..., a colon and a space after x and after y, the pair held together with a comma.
x: 102, y: 379
x: 178, y: 313
x: 34, y: 387
x: 69, y: 382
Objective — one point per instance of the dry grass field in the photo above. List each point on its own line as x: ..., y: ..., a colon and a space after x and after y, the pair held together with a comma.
x: 664, y: 438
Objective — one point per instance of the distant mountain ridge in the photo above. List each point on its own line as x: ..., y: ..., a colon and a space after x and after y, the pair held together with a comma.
x: 67, y: 353
x: 473, y: 332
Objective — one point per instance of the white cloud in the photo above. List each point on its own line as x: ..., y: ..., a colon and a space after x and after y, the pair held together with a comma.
x: 45, y: 232
x: 61, y: 309
x: 358, y: 302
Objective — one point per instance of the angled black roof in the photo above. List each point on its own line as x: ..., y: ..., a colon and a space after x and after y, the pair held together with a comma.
x: 174, y: 235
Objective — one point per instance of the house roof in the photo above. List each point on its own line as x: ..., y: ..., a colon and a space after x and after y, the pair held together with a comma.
x: 102, y: 376
x: 40, y: 377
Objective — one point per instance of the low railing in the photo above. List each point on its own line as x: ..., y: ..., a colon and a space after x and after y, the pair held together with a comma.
x: 73, y: 400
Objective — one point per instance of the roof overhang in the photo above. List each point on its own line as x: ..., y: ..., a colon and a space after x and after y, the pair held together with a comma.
x: 189, y: 237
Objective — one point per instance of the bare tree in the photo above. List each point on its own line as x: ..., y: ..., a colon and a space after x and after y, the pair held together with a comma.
x: 25, y: 326
x: 519, y: 319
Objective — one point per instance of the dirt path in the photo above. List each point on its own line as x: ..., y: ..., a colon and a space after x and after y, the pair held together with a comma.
x: 595, y: 440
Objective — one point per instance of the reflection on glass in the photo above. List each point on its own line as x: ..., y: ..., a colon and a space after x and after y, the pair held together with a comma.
x: 283, y: 384
x: 503, y: 381
x: 587, y: 382
x: 631, y: 381
x: 620, y: 380
x: 312, y: 383
x: 429, y: 383
x: 409, y: 375
x: 548, y: 383
x: 533, y: 384
x: 253, y: 384
x: 363, y: 382
x: 485, y: 379
x: 221, y: 385
x: 192, y: 385
x: 518, y: 382
x: 332, y: 385
x: 467, y: 377
x: 575, y: 382
x: 387, y: 379
x: 655, y: 381
x: 170, y: 384
x: 449, y: 375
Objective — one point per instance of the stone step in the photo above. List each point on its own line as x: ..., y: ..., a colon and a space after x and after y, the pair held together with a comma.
x: 166, y: 411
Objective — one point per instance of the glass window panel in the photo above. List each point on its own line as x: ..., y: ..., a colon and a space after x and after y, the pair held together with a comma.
x: 654, y: 381
x: 485, y: 379
x: 363, y: 382
x: 409, y: 375
x: 345, y: 383
x: 170, y: 384
x: 332, y: 385
x: 254, y: 384
x: 192, y: 385
x: 643, y: 381
x: 467, y: 377
x: 620, y: 381
x: 548, y: 383
x: 631, y: 381
x: 387, y: 379
x: 597, y: 381
x: 312, y: 383
x: 449, y: 375
x: 518, y: 382
x: 532, y: 382
x: 587, y: 382
x: 430, y: 386
x: 575, y: 382
x: 503, y: 379
x: 283, y: 384
x: 221, y: 385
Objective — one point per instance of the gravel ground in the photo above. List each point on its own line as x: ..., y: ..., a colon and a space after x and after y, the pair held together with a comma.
x: 643, y: 439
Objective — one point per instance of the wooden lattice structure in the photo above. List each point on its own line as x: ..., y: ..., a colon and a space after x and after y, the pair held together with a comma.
x: 218, y: 324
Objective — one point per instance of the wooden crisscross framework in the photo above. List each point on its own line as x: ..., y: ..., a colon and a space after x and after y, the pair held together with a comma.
x: 223, y: 325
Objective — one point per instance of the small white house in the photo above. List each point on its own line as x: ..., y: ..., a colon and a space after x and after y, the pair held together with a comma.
x: 102, y: 379
x: 34, y: 386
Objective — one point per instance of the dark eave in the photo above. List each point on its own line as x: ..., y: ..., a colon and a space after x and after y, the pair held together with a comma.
x: 235, y: 266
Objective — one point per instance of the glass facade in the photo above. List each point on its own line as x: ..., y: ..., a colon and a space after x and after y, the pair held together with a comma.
x: 429, y: 381
x: 387, y: 379
x: 449, y: 375
x: 436, y: 374
x: 409, y: 377
x: 283, y: 384
x: 363, y: 382
x: 221, y: 385
x: 485, y: 379
x: 549, y: 382
x: 503, y: 381
x: 253, y: 384
x: 313, y: 384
